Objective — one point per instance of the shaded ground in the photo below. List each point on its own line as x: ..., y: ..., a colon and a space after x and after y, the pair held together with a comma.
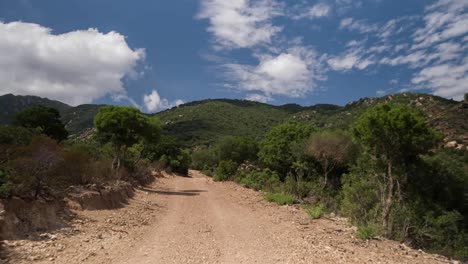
x: 194, y: 220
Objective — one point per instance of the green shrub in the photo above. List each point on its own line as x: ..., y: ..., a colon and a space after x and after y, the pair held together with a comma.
x: 300, y: 189
x: 178, y: 163
x: 11, y: 135
x: 276, y: 147
x: 204, y: 159
x: 266, y: 180
x: 225, y: 170
x: 280, y: 198
x: 365, y: 232
x: 314, y: 211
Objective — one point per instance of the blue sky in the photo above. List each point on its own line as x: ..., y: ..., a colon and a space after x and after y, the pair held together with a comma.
x: 157, y: 54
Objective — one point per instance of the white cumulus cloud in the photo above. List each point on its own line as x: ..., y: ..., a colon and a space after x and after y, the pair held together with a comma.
x: 292, y: 73
x: 153, y: 102
x: 75, y: 67
x: 240, y: 23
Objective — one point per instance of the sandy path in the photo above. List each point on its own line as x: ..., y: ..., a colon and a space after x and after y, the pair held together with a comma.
x: 196, y: 220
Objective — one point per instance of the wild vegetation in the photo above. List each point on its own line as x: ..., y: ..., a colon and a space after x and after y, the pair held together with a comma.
x: 387, y: 172
x: 37, y: 160
x: 380, y: 162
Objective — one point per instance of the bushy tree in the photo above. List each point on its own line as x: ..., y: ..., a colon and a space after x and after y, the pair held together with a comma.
x: 330, y: 150
x: 123, y: 127
x: 45, y: 119
x: 395, y: 135
x: 276, y: 148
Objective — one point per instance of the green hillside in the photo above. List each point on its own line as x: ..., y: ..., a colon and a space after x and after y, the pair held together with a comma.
x: 445, y: 115
x: 77, y: 119
x: 204, y: 122
x: 11, y: 104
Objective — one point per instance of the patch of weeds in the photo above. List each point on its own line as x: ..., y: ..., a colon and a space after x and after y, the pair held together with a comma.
x: 280, y: 198
x: 314, y: 211
x: 365, y: 232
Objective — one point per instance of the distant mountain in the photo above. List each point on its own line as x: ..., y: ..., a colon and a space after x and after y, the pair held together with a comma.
x: 77, y: 119
x: 204, y: 122
x: 12, y: 104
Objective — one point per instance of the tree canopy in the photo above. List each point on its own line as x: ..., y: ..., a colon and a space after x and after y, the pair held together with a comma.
x: 276, y: 146
x: 44, y: 118
x: 329, y: 149
x: 395, y: 135
x: 125, y: 126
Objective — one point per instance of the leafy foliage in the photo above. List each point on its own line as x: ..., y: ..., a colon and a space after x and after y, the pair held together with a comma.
x: 237, y: 149
x: 225, y: 170
x: 123, y: 127
x: 276, y: 147
x: 266, y: 180
x: 45, y: 119
x: 314, y: 211
x: 394, y: 135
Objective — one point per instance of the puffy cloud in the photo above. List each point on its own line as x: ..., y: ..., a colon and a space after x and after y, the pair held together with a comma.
x: 75, y: 67
x: 153, y: 102
x: 292, y: 73
x: 240, y: 23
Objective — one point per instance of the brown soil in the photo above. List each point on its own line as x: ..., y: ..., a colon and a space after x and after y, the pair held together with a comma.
x: 195, y: 220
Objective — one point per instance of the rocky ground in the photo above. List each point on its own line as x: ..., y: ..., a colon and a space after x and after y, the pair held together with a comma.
x: 195, y: 220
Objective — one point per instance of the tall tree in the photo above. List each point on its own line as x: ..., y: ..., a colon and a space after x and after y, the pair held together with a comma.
x: 44, y: 118
x: 395, y: 135
x: 123, y: 127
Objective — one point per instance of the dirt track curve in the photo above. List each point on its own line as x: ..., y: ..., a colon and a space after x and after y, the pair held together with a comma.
x: 195, y: 220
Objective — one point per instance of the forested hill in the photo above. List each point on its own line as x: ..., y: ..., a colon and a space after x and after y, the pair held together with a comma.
x: 76, y: 119
x: 204, y: 122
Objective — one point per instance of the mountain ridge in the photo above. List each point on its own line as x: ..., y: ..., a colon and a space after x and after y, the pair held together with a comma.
x: 203, y: 122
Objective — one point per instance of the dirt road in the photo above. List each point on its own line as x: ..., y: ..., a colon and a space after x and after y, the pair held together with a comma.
x: 195, y: 220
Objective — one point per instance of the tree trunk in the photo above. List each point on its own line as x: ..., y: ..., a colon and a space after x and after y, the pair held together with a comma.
x: 388, y: 199
x: 325, y: 173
